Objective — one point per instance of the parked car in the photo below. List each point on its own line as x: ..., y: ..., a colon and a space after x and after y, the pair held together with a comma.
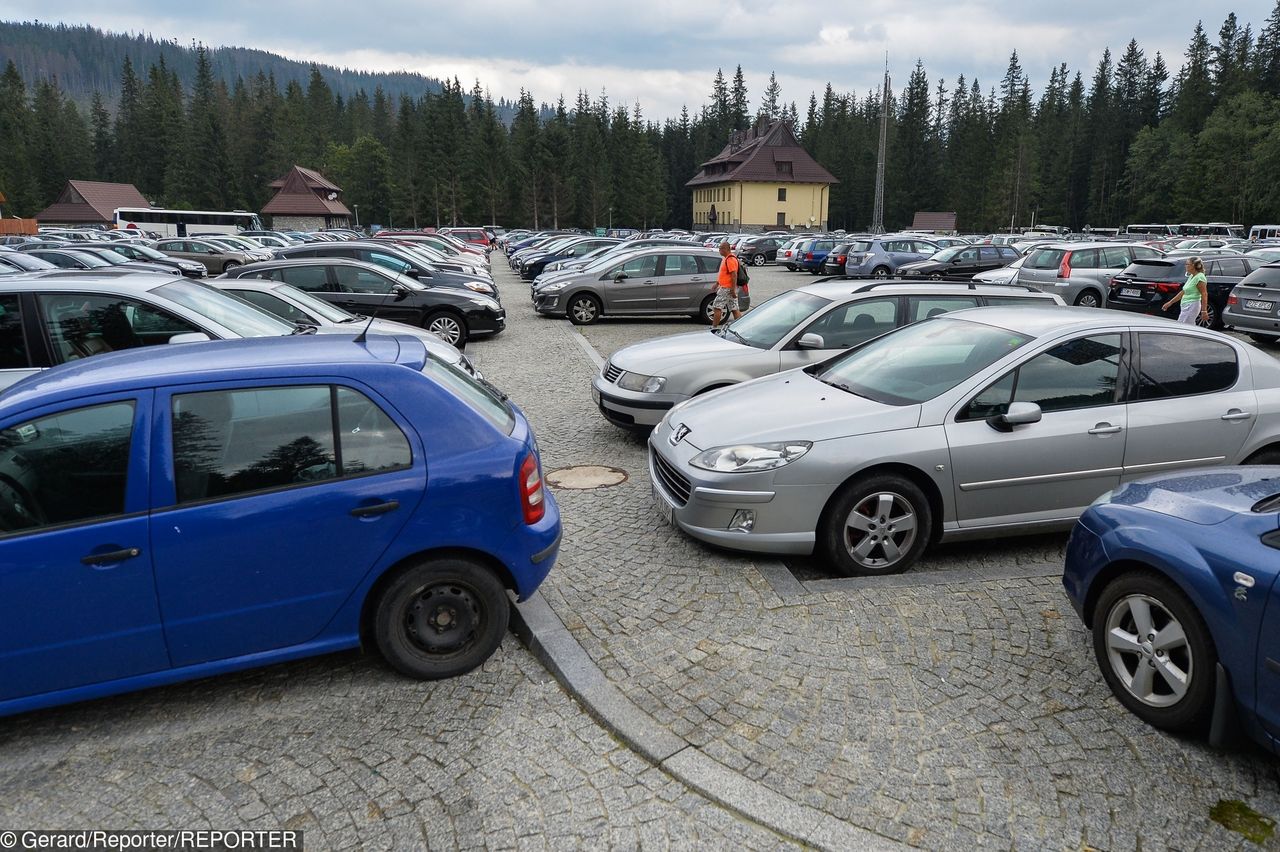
x: 453, y: 314
x: 883, y: 257
x: 475, y: 236
x: 1145, y: 285
x: 396, y: 259
x: 50, y: 318
x: 572, y: 268
x: 244, y: 244
x: 641, y: 382
x: 146, y: 254
x: 20, y: 261
x: 653, y: 280
x: 113, y: 255
x: 142, y: 505
x: 836, y: 258
x: 74, y: 258
x: 959, y: 262
x: 216, y: 258
x: 299, y: 308
x: 1175, y: 576
x: 1264, y: 255
x: 1081, y: 273
x: 813, y: 253
x: 533, y: 263
x: 975, y: 424
x: 1254, y: 304
x: 788, y: 253
x: 758, y: 251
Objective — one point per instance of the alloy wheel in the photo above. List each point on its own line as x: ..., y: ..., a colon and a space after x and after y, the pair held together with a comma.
x: 583, y: 310
x: 1148, y: 651
x: 880, y: 530
x: 447, y: 329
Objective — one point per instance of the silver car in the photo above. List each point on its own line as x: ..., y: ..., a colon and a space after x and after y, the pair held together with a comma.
x: 1254, y: 304
x: 1080, y: 273
x: 639, y: 383
x: 656, y: 280
x: 977, y: 424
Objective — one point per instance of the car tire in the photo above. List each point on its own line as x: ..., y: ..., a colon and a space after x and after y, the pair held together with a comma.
x: 705, y: 314
x: 447, y: 326
x: 758, y: 260
x: 880, y: 272
x: 852, y: 531
x: 1139, y: 671
x: 1263, y: 338
x: 229, y: 265
x: 440, y: 618
x: 1215, y: 318
x: 583, y: 309
x: 1088, y: 299
x: 1270, y: 455
x: 790, y: 267
x: 936, y: 276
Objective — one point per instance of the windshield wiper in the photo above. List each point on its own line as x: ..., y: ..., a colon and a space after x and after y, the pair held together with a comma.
x: 841, y: 385
x: 735, y: 334
x: 302, y: 328
x: 355, y: 318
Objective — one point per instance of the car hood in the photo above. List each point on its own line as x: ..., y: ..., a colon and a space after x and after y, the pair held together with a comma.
x: 652, y: 357
x: 918, y: 266
x: 790, y: 406
x: 1208, y: 496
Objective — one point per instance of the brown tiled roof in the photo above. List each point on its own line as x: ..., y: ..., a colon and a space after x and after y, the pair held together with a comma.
x: 302, y: 192
x: 753, y: 155
x: 934, y: 222
x: 91, y: 201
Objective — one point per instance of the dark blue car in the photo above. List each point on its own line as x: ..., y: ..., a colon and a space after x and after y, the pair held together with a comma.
x: 1176, y: 577
x: 187, y: 510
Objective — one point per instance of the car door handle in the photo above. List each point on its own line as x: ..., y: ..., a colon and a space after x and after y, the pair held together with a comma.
x: 1105, y: 429
x: 375, y: 510
x: 1237, y: 414
x: 110, y: 556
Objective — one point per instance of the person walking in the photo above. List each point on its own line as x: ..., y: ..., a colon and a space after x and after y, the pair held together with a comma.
x: 727, y: 290
x: 1194, y: 296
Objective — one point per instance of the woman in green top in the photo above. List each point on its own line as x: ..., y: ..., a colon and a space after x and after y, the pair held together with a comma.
x: 1194, y: 296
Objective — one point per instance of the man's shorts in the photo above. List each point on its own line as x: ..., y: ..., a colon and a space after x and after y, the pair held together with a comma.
x: 724, y: 300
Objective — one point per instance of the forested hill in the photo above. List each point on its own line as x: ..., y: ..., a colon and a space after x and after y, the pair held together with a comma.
x: 85, y: 59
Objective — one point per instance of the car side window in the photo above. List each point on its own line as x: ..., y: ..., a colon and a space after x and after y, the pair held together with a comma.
x: 309, y: 278
x: 641, y: 267
x: 1080, y: 373
x: 925, y: 248
x: 989, y: 254
x: 273, y: 305
x: 924, y: 307
x: 13, y: 340
x: 81, y: 325
x: 679, y: 264
x: 393, y: 263
x: 353, y: 280
x: 968, y: 255
x: 1016, y: 301
x: 371, y: 441
x: 1117, y: 257
x: 855, y: 322
x: 1172, y: 365
x: 1084, y: 259
x: 169, y: 246
x: 1231, y: 266
x: 708, y: 265
x: 66, y: 467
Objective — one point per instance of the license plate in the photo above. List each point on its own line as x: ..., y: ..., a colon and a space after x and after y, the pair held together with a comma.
x: 1255, y: 305
x: 1131, y: 292
x: 665, y: 510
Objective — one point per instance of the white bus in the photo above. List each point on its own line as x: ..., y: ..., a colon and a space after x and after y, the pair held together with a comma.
x: 1161, y: 231
x: 168, y: 223
x: 1211, y: 229
x: 1264, y: 232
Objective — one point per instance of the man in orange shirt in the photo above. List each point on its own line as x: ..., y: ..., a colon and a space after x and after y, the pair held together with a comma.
x: 727, y: 291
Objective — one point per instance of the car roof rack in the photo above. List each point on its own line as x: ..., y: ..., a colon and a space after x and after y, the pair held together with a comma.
x: 972, y: 285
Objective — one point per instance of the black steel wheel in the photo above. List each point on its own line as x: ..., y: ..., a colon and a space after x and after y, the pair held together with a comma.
x: 441, y: 618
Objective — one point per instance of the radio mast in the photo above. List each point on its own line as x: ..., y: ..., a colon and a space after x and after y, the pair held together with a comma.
x: 877, y: 215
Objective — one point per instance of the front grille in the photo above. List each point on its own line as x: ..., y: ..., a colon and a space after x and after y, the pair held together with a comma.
x: 673, y: 481
x: 611, y: 373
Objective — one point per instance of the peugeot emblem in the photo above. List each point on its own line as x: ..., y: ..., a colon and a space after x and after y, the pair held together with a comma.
x: 679, y: 435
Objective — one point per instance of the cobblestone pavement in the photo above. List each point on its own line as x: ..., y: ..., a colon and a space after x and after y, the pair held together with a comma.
x: 955, y: 706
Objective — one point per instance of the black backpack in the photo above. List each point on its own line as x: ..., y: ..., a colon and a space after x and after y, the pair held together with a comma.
x: 743, y: 278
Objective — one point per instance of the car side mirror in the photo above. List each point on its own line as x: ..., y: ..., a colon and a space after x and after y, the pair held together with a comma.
x: 210, y: 251
x: 620, y: 276
x: 190, y: 337
x: 401, y: 292
x: 811, y: 341
x: 413, y: 273
x: 955, y: 260
x: 1019, y: 414
x: 571, y: 252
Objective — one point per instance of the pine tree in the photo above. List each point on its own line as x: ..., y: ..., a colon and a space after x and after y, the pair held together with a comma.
x: 17, y: 181
x: 771, y: 105
x: 102, y: 141
x: 1194, y: 87
x: 1266, y: 55
x: 129, y: 129
x: 207, y: 177
x: 738, y: 103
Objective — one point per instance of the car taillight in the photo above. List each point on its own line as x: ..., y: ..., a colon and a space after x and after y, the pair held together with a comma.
x: 808, y: 255
x: 532, y: 500
x: 1064, y: 271
x: 840, y: 258
x: 1166, y: 287
x: 1232, y: 300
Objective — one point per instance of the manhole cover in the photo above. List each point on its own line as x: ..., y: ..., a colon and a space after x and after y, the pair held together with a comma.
x: 584, y: 477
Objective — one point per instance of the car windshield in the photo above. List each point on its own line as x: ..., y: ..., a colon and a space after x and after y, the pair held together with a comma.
x: 226, y: 310
x: 764, y: 326
x: 320, y: 307
x: 112, y: 257
x: 148, y: 252
x: 947, y: 254
x: 88, y: 259
x: 917, y: 363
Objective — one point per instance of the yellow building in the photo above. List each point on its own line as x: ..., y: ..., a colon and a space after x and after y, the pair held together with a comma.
x: 762, y: 179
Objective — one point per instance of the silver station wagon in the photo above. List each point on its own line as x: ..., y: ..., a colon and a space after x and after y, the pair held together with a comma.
x: 980, y: 423
x: 639, y: 383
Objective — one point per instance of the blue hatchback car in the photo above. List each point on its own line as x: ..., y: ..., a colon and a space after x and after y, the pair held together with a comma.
x: 1176, y: 577
x: 180, y: 511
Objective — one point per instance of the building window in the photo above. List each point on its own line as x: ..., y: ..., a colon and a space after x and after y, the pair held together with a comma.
x: 782, y: 220
x: 784, y: 167
x: 782, y: 194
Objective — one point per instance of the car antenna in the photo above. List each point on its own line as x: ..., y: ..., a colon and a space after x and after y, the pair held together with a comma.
x: 394, y: 291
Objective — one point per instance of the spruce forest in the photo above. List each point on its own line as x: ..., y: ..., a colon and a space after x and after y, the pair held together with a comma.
x: 1130, y: 140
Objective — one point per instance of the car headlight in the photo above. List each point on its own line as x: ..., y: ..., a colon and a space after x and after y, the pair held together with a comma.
x: 641, y: 383
x: 746, y: 458
x: 484, y: 302
x: 551, y: 288
x: 478, y: 287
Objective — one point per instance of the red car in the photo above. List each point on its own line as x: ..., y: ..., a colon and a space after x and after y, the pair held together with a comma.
x: 476, y: 236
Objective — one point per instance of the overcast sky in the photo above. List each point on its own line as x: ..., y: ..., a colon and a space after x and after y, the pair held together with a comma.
x: 664, y: 53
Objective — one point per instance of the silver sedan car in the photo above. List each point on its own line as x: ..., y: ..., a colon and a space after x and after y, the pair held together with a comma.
x: 980, y: 423
x: 639, y: 383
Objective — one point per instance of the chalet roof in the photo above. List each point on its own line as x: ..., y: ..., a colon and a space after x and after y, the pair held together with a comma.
x: 755, y: 155
x: 934, y: 222
x: 303, y: 192
x: 91, y: 201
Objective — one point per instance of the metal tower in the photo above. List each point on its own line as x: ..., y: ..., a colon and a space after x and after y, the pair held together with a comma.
x: 877, y: 215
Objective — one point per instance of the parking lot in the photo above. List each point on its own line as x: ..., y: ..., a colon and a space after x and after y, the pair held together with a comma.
x: 954, y: 706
